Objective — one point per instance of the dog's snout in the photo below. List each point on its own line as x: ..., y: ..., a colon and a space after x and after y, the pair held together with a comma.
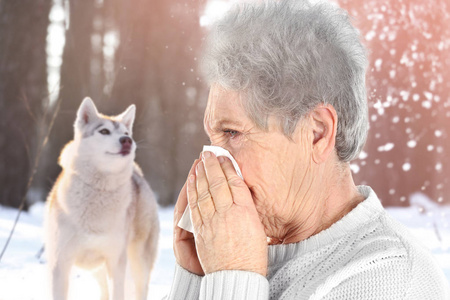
x: 126, y: 140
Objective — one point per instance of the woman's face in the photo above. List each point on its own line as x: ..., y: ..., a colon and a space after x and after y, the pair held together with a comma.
x: 275, y: 168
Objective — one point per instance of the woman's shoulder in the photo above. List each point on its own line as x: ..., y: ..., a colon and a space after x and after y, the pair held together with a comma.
x: 378, y: 260
x: 425, y: 276
x: 385, y: 252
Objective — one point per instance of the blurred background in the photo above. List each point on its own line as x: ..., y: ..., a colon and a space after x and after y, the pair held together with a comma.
x: 53, y: 53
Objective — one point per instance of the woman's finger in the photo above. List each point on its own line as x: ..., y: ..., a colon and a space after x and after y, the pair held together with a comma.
x: 217, y: 181
x: 205, y: 200
x: 236, y: 185
x: 192, y: 196
x: 182, y: 201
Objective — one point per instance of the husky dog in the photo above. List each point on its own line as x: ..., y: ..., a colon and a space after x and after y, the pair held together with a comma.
x: 101, y: 212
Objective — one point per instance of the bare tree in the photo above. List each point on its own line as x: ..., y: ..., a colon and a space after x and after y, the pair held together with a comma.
x: 156, y: 69
x: 75, y: 80
x: 23, y: 91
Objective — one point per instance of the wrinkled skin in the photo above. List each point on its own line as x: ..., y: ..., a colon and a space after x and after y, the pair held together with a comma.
x: 286, y: 195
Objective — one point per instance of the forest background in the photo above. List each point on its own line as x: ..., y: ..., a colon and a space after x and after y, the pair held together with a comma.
x: 53, y: 53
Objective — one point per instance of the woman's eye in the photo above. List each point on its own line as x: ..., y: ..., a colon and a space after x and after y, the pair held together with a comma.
x: 105, y: 131
x: 232, y: 133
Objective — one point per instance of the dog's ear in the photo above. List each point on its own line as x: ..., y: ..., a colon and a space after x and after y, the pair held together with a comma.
x: 87, y: 112
x: 127, y: 117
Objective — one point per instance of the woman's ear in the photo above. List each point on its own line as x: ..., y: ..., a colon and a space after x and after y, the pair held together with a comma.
x: 324, y: 126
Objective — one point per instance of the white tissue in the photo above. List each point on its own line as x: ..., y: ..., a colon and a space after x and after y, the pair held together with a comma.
x: 185, y: 221
x: 219, y: 151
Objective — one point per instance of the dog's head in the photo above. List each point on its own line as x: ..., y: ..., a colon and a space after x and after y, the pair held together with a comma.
x: 103, y: 141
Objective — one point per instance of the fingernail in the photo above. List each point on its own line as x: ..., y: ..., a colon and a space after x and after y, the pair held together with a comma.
x: 221, y: 159
x: 191, y: 178
x: 206, y: 154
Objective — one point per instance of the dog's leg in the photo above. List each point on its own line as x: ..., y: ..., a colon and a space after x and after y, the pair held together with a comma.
x: 139, y: 269
x: 59, y: 279
x: 116, y: 271
x: 142, y: 254
x: 102, y: 278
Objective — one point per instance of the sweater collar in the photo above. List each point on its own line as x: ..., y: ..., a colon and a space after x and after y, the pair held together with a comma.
x: 363, y: 213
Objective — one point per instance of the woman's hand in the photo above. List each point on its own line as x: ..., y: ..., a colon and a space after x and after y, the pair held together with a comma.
x: 228, y: 231
x: 183, y: 241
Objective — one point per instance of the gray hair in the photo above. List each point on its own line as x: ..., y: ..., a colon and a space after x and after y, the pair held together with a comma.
x: 287, y: 57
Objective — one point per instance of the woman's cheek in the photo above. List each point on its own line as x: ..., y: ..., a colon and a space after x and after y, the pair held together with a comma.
x: 252, y: 174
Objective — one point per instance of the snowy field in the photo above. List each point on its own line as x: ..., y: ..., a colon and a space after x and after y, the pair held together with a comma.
x: 23, y: 275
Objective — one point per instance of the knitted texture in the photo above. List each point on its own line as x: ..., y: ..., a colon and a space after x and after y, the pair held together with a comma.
x: 234, y: 285
x: 185, y: 285
x: 365, y: 255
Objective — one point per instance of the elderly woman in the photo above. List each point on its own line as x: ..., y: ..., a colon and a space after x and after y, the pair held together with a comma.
x: 288, y: 101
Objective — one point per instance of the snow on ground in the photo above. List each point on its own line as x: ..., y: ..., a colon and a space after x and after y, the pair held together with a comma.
x: 23, y: 275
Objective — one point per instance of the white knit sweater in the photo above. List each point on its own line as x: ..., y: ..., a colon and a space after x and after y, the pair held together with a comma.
x: 365, y: 255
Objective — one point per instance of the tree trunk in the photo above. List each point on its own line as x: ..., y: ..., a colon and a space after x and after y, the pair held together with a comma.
x: 75, y: 80
x: 23, y: 91
x: 156, y: 65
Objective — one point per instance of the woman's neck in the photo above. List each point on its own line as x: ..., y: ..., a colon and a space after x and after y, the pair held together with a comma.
x: 331, y: 195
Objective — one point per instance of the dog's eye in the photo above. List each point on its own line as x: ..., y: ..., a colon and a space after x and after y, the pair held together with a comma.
x: 105, y: 131
x: 126, y: 133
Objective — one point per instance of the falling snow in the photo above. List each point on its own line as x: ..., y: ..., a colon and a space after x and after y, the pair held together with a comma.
x: 385, y: 148
x: 412, y: 144
x: 406, y: 167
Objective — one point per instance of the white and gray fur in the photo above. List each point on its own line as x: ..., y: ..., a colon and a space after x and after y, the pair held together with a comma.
x: 286, y: 57
x: 101, y: 212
